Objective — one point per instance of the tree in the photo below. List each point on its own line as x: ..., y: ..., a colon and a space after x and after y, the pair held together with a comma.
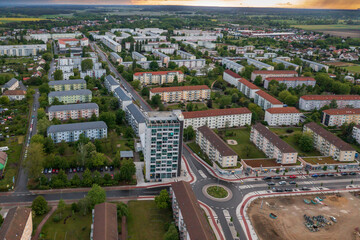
x: 42, y: 125
x: 122, y: 210
x: 87, y: 64
x: 58, y: 74
x: 47, y: 56
x: 39, y: 206
x: 291, y: 100
x: 163, y: 200
x: 189, y: 133
x: 109, y: 118
x: 35, y: 160
x: 84, y: 205
x: 145, y: 92
x: 37, y: 139
x: 4, y: 100
x: 172, y: 233
x: 333, y: 104
x: 127, y: 169
x: 49, y: 145
x: 156, y: 100
x: 135, y: 84
x: 87, y: 179
x: 61, y: 207
x: 41, y: 113
x: 119, y: 117
x: 154, y: 66
x: 96, y: 195
x: 47, y: 67
x: 97, y: 159
x: 306, y: 143
x: 258, y: 81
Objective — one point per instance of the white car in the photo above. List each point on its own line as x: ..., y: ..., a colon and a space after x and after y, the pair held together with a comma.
x: 282, y: 183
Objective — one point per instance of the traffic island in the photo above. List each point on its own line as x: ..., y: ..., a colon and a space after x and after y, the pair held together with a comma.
x: 217, y: 192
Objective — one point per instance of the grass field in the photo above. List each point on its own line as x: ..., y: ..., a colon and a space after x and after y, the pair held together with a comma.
x: 146, y: 221
x: 76, y: 227
x: 340, y: 30
x: 5, y: 20
x: 245, y: 149
x: 217, y: 192
x: 353, y: 69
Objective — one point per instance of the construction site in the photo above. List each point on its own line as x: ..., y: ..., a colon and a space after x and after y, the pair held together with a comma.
x: 321, y: 216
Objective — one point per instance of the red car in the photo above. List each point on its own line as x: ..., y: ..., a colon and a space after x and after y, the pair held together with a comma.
x: 292, y: 176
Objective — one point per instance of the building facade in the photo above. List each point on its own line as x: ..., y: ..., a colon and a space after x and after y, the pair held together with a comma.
x: 21, y: 50
x: 265, y: 100
x: 182, y: 94
x: 356, y: 133
x: 277, y: 73
x: 15, y: 95
x: 232, y: 65
x: 123, y: 98
x: 72, y: 131
x: 116, y: 47
x: 231, y: 77
x: 272, y: 145
x: 72, y: 96
x: 160, y: 77
x: 111, y: 83
x: 135, y: 119
x: 67, y: 85
x: 73, y: 111
x: 285, y: 116
x: 247, y: 88
x: 311, y: 102
x: 291, y: 82
x: 338, y: 117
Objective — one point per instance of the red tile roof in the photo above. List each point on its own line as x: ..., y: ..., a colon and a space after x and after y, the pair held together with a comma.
x: 231, y: 73
x: 283, y: 110
x: 157, y: 73
x: 268, y: 97
x: 291, y: 79
x: 14, y: 92
x: 331, y: 97
x: 248, y: 84
x: 343, y: 111
x: 274, y: 72
x: 178, y: 89
x: 64, y: 40
x: 216, y: 112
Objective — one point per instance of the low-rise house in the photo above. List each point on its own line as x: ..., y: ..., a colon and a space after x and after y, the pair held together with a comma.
x: 111, y: 83
x: 272, y: 145
x: 160, y: 77
x: 276, y: 73
x: 284, y: 116
x: 182, y: 93
x: 330, y: 145
x: 218, y: 118
x: 17, y: 225
x: 73, y: 111
x: 135, y: 118
x: 105, y: 224
x: 188, y: 215
x: 72, y: 131
x: 311, y: 102
x: 215, y: 148
x: 72, y: 96
x: 67, y: 85
x: 15, y: 95
x: 338, y: 117
x: 291, y: 82
x: 265, y: 100
x: 12, y: 84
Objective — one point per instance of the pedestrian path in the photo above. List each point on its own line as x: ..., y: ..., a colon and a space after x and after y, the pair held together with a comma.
x: 42, y: 223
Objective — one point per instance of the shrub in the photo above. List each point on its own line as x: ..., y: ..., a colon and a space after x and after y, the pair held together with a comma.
x: 56, y: 218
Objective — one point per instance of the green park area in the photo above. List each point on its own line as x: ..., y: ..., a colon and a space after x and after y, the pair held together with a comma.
x: 353, y: 69
x: 217, y: 192
x: 147, y: 221
x: 327, y: 27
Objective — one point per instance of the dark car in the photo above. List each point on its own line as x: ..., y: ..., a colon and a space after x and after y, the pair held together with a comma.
x: 288, y: 190
x: 330, y: 175
x: 279, y: 190
x: 352, y: 173
x: 344, y: 174
x: 305, y: 188
x: 101, y: 169
x: 292, y: 182
x: 111, y: 168
x: 267, y: 178
x: 277, y: 177
x: 271, y: 183
x: 57, y: 170
x: 322, y: 175
x: 78, y: 169
x: 81, y: 169
x: 45, y: 170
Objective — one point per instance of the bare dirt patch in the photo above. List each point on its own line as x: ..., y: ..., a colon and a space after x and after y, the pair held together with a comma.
x: 290, y: 217
x: 232, y: 142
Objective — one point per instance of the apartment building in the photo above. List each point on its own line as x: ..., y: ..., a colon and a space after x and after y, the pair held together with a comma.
x: 270, y: 55
x: 165, y: 59
x: 72, y: 96
x: 182, y: 93
x: 215, y: 148
x: 265, y: 100
x: 356, y: 133
x: 231, y: 77
x: 105, y: 222
x: 260, y: 65
x: 113, y: 45
x: 165, y: 50
x: 138, y: 57
x: 330, y: 145
x: 55, y: 36
x: 311, y: 102
x: 67, y: 85
x: 291, y: 82
x: 17, y: 224
x: 284, y: 116
x: 276, y: 73
x: 72, y: 131
x: 232, y: 65
x: 272, y: 145
x: 190, y: 63
x: 115, y: 57
x: 21, y: 50
x: 150, y: 45
x: 162, y: 144
x: 111, y: 83
x: 73, y: 111
x: 185, y: 55
x: 135, y: 119
x: 160, y: 77
x: 287, y: 64
x: 250, y: 55
x: 315, y: 66
x: 144, y: 65
x: 247, y: 88
x: 188, y: 215
x: 338, y: 117
x: 218, y: 118
x: 15, y: 95
x: 123, y: 98
x: 12, y: 84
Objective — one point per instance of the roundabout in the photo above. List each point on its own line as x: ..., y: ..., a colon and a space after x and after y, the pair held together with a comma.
x: 217, y: 192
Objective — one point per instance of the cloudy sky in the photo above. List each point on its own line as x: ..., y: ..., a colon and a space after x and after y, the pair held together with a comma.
x: 325, y: 4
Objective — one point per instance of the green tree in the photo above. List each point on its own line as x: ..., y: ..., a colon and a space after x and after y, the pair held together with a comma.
x: 35, y: 160
x: 145, y: 91
x: 97, y: 159
x: 37, y: 139
x: 258, y: 81
x: 156, y: 101
x: 163, y: 200
x: 96, y: 195
x: 42, y: 125
x: 58, y: 74
x: 120, y: 116
x: 189, y: 133
x: 87, y: 64
x: 49, y: 145
x: 47, y: 56
x: 39, y: 206
x: 41, y: 113
x: 135, y: 84
x: 127, y: 169
x: 4, y: 100
x: 122, y: 210
x: 306, y: 143
x: 87, y: 179
x: 61, y: 207
x: 172, y: 233
x: 333, y: 104
x: 154, y: 66
x: 109, y: 118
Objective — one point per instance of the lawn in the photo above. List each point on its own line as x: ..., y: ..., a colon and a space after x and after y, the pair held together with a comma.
x: 217, y: 192
x: 196, y: 149
x: 245, y: 149
x: 20, y: 19
x: 327, y: 27
x: 75, y: 227
x: 36, y: 221
x: 146, y: 221
x: 197, y: 106
x: 353, y: 69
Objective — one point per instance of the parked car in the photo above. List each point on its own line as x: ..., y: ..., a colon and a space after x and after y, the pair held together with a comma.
x: 70, y: 170
x: 111, y: 168
x: 50, y: 170
x: 277, y: 177
x: 352, y: 173
x: 81, y: 169
x: 267, y: 178
x: 57, y: 170
x: 314, y: 175
x: 288, y: 190
x: 305, y: 188
x: 271, y: 183
x: 74, y: 170
x: 45, y: 170
x: 330, y: 175
x: 292, y: 176
x: 54, y: 170
x: 333, y: 219
x: 344, y: 174
x: 322, y: 175
x: 282, y: 183
x: 292, y: 182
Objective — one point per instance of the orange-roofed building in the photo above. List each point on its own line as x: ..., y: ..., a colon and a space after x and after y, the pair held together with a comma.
x: 160, y: 77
